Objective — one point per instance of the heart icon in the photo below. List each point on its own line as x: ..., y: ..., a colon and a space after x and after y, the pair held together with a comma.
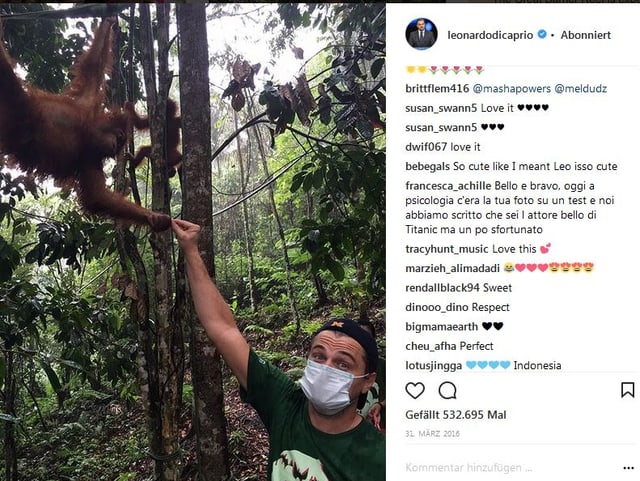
x: 545, y: 106
x: 532, y: 267
x: 482, y: 364
x: 414, y: 389
x: 471, y: 364
x: 505, y: 364
x: 486, y: 325
x: 520, y: 267
x: 498, y: 325
x: 542, y: 267
x: 545, y: 249
x: 493, y: 364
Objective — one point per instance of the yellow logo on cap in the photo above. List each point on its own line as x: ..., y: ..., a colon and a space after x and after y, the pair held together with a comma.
x: 337, y: 324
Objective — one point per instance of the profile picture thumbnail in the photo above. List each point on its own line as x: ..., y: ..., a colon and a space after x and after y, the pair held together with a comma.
x: 421, y: 33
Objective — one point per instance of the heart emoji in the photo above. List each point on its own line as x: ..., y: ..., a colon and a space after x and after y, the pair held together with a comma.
x: 482, y: 364
x: 520, y: 267
x: 545, y: 249
x: 493, y: 364
x: 542, y: 267
x: 532, y: 267
x: 505, y: 364
x: 414, y: 389
x: 471, y: 364
x: 486, y: 325
x: 498, y: 325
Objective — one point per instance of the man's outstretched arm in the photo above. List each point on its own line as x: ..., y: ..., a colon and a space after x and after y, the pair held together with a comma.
x: 213, y: 311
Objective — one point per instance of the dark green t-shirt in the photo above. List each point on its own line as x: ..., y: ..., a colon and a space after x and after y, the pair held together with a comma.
x: 297, y: 450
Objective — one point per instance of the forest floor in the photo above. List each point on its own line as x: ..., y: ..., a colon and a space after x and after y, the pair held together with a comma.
x: 98, y: 437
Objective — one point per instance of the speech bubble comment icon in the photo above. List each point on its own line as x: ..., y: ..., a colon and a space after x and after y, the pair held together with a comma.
x: 447, y: 390
x: 414, y: 389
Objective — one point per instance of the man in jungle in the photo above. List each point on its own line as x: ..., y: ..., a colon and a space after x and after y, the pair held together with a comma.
x: 314, y: 428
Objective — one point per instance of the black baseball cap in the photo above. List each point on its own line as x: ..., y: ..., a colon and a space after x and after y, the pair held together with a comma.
x: 352, y: 329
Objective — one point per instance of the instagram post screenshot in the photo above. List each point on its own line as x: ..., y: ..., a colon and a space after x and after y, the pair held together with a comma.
x: 512, y: 212
x: 192, y: 241
x: 319, y: 241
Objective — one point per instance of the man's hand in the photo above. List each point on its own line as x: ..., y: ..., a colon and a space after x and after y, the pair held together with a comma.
x: 187, y: 233
x: 374, y: 415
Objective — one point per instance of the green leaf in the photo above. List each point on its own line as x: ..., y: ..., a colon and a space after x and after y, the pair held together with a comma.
x: 343, y: 25
x: 376, y: 67
x: 306, y: 20
x: 296, y: 182
x: 52, y: 376
x: 336, y: 269
x: 9, y: 418
x: 365, y: 128
x: 308, y: 182
x: 72, y: 364
x: 318, y: 178
x: 9, y: 259
x: 4, y: 210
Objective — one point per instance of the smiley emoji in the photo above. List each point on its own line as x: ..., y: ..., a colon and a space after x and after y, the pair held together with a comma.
x: 587, y: 266
x: 554, y: 266
x: 508, y: 267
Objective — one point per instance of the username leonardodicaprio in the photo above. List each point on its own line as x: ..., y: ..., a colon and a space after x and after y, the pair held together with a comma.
x: 525, y: 35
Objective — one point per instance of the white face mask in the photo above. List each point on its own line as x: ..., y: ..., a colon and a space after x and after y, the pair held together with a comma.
x: 327, y: 388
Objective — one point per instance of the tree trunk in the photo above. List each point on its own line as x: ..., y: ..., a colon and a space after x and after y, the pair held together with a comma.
x: 209, y: 420
x: 245, y: 221
x: 169, y: 345
x: 10, y: 451
x: 133, y: 266
x: 323, y: 299
x: 274, y: 209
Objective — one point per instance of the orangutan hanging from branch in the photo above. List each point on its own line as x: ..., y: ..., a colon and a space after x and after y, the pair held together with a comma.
x: 68, y: 136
